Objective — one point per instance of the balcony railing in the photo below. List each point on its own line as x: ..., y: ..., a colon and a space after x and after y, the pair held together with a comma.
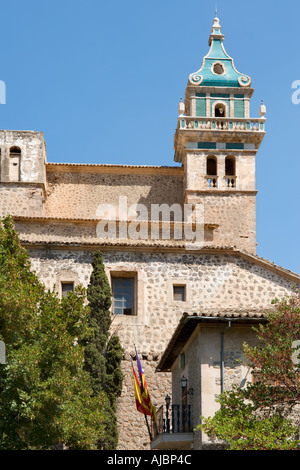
x: 230, y: 181
x: 172, y: 420
x: 222, y: 124
x: 212, y: 181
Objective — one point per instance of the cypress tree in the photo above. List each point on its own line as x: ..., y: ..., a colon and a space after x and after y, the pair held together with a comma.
x: 103, y: 352
x: 46, y: 397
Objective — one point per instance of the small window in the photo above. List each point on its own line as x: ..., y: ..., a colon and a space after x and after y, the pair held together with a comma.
x: 182, y: 361
x: 179, y: 293
x: 66, y: 287
x: 123, y: 295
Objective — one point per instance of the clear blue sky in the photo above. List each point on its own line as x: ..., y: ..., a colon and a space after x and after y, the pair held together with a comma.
x: 102, y: 80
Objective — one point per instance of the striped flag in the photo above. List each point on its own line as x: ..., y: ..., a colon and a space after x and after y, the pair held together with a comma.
x: 142, y: 397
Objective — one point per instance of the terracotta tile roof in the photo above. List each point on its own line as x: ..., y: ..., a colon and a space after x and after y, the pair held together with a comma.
x: 115, y: 168
x: 111, y: 165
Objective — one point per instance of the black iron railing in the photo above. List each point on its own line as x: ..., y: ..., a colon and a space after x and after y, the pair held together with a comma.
x: 173, y: 419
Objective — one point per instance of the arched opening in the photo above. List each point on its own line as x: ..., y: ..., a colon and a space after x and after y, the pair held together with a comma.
x: 14, y: 163
x: 15, y: 151
x: 211, y: 166
x: 211, y: 172
x: 230, y: 172
x: 220, y: 110
x: 230, y: 166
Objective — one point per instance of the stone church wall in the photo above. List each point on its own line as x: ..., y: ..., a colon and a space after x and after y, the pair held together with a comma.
x: 16, y: 199
x: 77, y: 192
x: 213, y: 283
x: 228, y: 211
x: 133, y: 433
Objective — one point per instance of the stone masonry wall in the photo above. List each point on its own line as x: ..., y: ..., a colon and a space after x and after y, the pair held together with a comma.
x: 133, y: 433
x: 235, y: 215
x: 16, y: 199
x: 33, y: 155
x: 77, y: 194
x: 213, y: 283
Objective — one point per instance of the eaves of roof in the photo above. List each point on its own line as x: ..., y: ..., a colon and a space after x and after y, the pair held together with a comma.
x: 189, y: 323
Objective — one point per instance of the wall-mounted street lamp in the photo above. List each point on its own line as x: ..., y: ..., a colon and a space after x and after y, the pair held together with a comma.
x: 168, y: 401
x: 183, y: 382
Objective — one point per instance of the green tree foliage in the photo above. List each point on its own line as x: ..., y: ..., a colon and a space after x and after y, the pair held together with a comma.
x: 258, y: 416
x: 243, y: 426
x: 277, y: 378
x: 103, y: 352
x: 46, y: 396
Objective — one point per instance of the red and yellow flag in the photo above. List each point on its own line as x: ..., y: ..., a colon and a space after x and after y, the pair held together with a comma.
x: 142, y: 397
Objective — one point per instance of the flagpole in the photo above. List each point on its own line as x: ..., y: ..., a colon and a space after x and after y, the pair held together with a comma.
x: 142, y: 396
x: 149, y: 431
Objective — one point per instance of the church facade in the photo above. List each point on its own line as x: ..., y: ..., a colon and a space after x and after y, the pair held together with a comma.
x: 135, y: 215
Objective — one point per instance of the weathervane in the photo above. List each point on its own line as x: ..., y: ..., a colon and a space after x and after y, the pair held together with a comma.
x: 216, y: 8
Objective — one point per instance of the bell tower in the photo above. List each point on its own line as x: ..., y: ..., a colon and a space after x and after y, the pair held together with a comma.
x: 216, y: 142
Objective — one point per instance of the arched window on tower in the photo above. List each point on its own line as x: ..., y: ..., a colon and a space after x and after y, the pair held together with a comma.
x: 230, y: 172
x: 14, y: 163
x: 212, y: 172
x: 220, y: 110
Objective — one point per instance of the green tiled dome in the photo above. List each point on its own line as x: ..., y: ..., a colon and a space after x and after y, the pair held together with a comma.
x: 218, y: 67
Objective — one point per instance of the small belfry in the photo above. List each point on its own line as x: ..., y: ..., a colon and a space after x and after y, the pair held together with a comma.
x: 216, y: 142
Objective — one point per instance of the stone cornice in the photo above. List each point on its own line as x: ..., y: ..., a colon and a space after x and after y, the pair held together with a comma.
x: 161, y: 247
x: 38, y: 218
x: 227, y: 192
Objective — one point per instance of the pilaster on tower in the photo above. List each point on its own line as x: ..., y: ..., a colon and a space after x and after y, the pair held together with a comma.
x: 217, y: 141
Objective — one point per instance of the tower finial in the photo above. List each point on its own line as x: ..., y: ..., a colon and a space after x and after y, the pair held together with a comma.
x: 216, y: 8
